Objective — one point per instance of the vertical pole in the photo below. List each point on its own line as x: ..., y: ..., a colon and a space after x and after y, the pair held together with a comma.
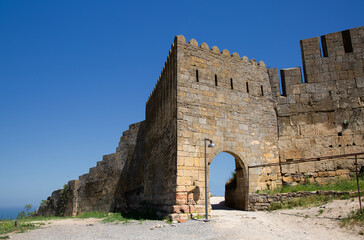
x: 206, y: 210
x: 357, y: 182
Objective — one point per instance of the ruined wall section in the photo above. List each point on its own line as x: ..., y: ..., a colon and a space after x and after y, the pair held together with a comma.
x: 97, y: 188
x: 161, y: 139
x: 109, y: 185
x: 325, y: 115
x: 131, y: 183
x: 114, y: 184
x: 227, y: 99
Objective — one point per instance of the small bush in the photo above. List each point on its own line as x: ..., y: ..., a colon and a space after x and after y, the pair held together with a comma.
x: 25, y: 213
x: 44, y: 202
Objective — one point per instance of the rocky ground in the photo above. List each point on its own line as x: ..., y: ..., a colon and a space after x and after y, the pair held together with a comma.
x: 311, y: 223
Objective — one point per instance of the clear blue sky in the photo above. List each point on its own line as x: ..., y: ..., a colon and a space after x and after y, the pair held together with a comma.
x: 75, y: 74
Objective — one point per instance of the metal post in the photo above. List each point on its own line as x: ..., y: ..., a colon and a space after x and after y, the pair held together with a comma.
x: 211, y: 145
x: 357, y: 182
x: 206, y: 210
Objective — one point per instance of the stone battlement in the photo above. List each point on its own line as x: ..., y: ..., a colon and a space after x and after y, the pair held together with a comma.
x: 182, y: 40
x: 257, y: 115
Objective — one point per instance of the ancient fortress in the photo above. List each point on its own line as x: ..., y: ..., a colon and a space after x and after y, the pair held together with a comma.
x: 202, y: 93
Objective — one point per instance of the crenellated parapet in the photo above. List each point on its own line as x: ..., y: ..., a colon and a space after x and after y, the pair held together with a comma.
x: 182, y: 40
x: 322, y: 113
x: 226, y: 98
x: 258, y: 115
x: 163, y: 73
x: 333, y: 73
x: 333, y: 57
x: 221, y: 69
x: 161, y: 101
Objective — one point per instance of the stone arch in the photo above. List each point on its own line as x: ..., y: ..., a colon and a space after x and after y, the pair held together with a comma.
x: 236, y: 189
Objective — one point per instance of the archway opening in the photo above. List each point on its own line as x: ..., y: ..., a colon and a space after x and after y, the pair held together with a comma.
x: 227, y: 182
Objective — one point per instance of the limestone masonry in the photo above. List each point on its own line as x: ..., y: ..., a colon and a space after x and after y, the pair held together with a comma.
x: 239, y: 104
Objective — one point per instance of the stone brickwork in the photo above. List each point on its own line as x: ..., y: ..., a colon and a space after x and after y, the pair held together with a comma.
x: 105, y: 187
x: 325, y: 115
x: 203, y: 92
x: 213, y: 102
x: 161, y: 139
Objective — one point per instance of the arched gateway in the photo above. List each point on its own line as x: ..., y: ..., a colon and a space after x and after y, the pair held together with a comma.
x: 236, y: 187
x: 207, y: 93
x: 241, y: 122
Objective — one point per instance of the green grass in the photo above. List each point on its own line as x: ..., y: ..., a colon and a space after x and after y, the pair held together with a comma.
x: 116, y: 217
x: 93, y: 215
x: 41, y: 218
x: 315, y: 200
x: 339, y: 185
x: 8, y: 226
x: 30, y: 223
x: 309, y: 201
x: 355, y: 218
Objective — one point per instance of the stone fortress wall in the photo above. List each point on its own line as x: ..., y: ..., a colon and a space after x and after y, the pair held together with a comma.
x: 323, y: 116
x: 236, y: 102
x: 227, y: 99
x: 161, y: 139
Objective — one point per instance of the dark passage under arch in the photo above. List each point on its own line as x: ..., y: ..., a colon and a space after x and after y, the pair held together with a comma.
x: 227, y: 169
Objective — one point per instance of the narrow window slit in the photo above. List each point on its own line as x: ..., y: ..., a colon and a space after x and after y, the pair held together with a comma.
x: 215, y: 80
x: 261, y: 89
x: 231, y: 84
x: 283, y: 83
x: 247, y: 87
x: 347, y: 41
x: 323, y: 47
x: 196, y: 75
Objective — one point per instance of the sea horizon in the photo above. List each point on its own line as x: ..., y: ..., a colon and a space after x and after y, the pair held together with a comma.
x: 10, y: 212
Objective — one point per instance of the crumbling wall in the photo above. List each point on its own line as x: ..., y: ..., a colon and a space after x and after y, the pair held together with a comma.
x: 106, y: 187
x: 323, y: 116
x: 130, y: 188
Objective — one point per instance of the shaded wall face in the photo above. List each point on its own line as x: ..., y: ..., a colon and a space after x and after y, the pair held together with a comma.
x: 323, y: 116
x: 160, y: 165
x: 112, y: 185
x: 130, y: 187
x: 220, y: 108
x: 236, y: 188
x: 104, y: 188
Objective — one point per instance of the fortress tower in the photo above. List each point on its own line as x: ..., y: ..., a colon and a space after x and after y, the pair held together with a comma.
x: 205, y: 93
x: 239, y: 104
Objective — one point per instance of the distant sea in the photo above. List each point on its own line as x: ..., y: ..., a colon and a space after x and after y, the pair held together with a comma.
x: 10, y: 212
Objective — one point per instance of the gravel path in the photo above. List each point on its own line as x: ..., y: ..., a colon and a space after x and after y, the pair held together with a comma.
x: 226, y: 224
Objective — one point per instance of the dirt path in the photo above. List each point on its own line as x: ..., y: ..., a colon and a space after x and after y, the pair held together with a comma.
x: 285, y: 224
x: 312, y: 223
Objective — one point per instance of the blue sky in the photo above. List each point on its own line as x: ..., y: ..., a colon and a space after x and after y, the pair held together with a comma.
x: 75, y: 74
